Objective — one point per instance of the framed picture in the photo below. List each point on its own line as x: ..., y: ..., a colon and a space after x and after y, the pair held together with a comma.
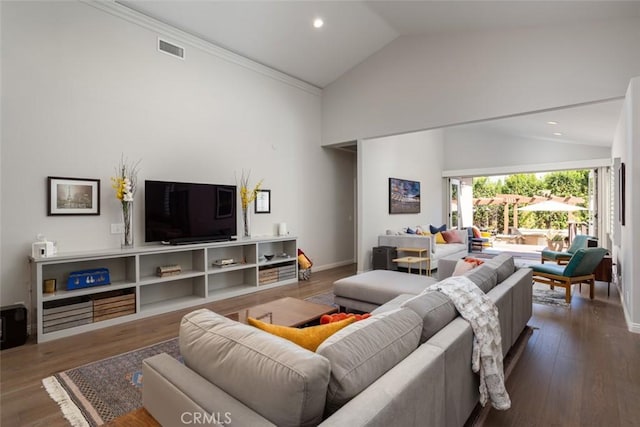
x: 73, y: 196
x: 404, y: 196
x: 263, y: 201
x: 621, y: 188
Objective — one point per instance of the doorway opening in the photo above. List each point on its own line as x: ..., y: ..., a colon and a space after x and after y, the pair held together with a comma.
x: 526, y: 212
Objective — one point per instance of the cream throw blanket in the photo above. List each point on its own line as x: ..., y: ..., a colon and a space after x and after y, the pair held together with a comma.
x: 475, y: 307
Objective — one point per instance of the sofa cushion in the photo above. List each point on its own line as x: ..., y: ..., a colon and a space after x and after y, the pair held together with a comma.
x: 485, y: 277
x: 310, y: 337
x: 440, y: 240
x: 435, y: 309
x: 442, y: 251
x: 435, y: 230
x: 380, y: 286
x: 503, y: 264
x: 451, y: 236
x: 363, y: 351
x: 394, y: 304
x: 246, y: 362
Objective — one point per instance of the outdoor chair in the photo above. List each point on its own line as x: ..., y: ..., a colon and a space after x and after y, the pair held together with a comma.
x: 478, y: 239
x: 580, y: 241
x: 578, y: 270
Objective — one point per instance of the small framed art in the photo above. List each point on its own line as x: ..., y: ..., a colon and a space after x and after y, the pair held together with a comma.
x: 263, y: 201
x: 73, y: 196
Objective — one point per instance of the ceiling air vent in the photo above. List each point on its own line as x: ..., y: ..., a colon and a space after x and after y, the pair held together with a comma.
x: 170, y: 49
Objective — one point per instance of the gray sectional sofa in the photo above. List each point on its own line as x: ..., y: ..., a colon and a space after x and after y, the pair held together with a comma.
x: 408, y: 364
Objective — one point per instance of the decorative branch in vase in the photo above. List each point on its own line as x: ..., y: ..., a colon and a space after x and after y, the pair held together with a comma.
x: 125, y: 184
x: 246, y: 198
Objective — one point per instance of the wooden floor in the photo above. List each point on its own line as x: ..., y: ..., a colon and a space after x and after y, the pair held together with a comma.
x: 581, y: 367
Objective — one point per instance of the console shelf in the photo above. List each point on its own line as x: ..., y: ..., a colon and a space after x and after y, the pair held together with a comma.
x: 133, y: 274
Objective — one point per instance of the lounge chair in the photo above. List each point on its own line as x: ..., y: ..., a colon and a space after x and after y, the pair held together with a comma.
x: 578, y: 270
x: 580, y: 241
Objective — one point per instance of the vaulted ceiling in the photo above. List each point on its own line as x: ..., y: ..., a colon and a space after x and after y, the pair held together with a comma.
x: 281, y: 35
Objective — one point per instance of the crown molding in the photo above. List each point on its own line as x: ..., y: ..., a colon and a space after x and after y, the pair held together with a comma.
x: 137, y: 18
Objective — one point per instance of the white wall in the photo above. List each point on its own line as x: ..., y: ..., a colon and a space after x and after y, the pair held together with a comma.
x: 417, y: 157
x: 467, y: 149
x: 627, y: 146
x: 426, y: 82
x: 81, y: 86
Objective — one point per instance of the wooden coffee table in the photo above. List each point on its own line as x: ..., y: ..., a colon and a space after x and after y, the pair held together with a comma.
x: 285, y: 311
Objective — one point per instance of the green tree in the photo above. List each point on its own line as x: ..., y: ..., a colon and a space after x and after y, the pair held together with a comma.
x: 486, y: 216
x: 565, y: 183
x: 523, y: 185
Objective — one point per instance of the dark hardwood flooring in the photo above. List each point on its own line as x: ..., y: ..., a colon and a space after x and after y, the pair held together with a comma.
x: 581, y: 367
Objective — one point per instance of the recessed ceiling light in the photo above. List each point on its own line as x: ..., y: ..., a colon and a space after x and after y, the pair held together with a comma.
x: 557, y: 133
x: 551, y: 122
x: 318, y: 23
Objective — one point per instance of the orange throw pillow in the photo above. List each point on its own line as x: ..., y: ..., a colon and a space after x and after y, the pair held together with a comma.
x: 309, y: 338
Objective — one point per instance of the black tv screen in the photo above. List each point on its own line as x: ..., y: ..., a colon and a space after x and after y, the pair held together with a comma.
x: 180, y: 212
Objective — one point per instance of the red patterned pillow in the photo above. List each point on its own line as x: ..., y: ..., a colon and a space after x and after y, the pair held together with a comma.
x: 336, y: 317
x: 451, y: 236
x: 475, y: 261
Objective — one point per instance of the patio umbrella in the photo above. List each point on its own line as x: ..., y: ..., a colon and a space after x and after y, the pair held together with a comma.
x: 551, y: 206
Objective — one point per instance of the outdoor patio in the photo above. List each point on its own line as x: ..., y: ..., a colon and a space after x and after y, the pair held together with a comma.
x: 516, y: 250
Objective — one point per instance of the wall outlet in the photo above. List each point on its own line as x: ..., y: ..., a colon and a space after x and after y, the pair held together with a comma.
x: 117, y: 228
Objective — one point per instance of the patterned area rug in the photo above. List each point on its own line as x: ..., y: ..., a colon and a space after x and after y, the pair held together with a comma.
x: 542, y: 294
x: 99, y: 392
x: 325, y: 299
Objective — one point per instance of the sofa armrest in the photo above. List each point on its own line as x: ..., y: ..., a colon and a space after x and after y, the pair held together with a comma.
x: 175, y: 395
x: 520, y: 282
x: 446, y: 267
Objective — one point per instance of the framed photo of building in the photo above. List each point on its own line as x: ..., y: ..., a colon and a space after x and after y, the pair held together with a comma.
x: 404, y: 196
x: 73, y: 196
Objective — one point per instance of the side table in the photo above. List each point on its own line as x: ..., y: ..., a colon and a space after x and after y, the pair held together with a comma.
x: 410, y: 260
x: 603, y: 272
x: 418, y: 252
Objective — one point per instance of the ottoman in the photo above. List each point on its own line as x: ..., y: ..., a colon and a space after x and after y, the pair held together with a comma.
x: 365, y: 292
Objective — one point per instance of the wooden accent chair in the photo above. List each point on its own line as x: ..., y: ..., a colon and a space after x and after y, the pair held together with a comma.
x: 580, y: 241
x: 578, y: 270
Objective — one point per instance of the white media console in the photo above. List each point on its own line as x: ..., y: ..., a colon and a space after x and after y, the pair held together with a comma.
x: 137, y: 291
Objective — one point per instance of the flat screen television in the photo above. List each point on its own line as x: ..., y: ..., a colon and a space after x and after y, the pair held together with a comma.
x: 182, y: 212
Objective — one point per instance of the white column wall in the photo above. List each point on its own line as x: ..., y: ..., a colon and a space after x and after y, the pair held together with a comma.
x: 626, y: 146
x: 417, y: 157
